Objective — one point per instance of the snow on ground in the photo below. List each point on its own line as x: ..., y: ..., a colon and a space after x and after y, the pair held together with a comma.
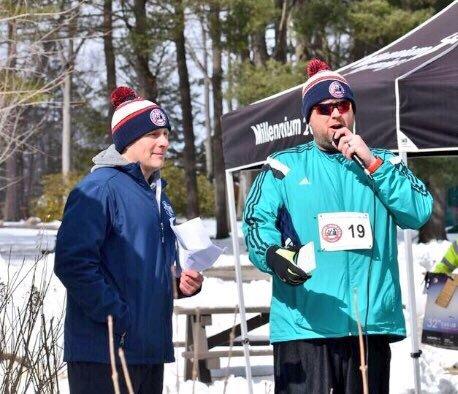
x: 17, y: 244
x: 22, y: 246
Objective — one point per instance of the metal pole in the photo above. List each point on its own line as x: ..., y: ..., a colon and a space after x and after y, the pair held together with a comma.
x: 416, y: 352
x: 238, y: 274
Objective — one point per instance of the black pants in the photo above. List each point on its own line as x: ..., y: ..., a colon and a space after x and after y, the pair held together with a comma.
x: 330, y: 366
x: 95, y: 378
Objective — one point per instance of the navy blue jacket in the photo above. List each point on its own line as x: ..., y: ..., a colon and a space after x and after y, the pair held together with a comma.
x: 114, y: 254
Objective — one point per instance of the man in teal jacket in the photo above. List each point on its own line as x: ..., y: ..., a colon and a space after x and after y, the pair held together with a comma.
x: 315, y: 193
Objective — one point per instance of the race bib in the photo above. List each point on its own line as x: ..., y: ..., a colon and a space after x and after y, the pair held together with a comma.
x: 344, y: 231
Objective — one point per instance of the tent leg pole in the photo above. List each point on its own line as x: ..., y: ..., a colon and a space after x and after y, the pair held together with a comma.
x: 238, y: 273
x: 415, y: 353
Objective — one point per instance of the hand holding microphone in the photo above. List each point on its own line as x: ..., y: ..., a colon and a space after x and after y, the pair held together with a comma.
x: 353, y: 148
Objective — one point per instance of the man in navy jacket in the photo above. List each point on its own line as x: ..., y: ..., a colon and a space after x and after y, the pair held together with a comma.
x: 114, y: 254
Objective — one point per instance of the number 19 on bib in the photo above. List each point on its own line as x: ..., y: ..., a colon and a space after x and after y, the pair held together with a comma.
x: 344, y: 231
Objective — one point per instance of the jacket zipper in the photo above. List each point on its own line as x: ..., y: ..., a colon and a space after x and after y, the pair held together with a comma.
x: 123, y: 339
x: 164, y: 256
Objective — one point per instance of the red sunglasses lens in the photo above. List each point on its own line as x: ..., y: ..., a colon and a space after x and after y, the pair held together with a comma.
x: 343, y: 106
x: 326, y: 109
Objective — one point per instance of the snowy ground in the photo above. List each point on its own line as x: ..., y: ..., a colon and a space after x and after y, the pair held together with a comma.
x: 21, y: 246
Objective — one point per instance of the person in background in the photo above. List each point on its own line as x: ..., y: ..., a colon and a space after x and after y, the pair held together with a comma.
x: 449, y: 262
x: 114, y: 254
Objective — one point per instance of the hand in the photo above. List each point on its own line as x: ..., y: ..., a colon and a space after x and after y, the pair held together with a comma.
x: 350, y: 144
x: 190, y: 282
x: 282, y: 262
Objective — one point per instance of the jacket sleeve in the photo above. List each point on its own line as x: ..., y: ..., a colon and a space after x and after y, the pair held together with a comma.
x: 260, y: 214
x: 449, y: 262
x: 403, y: 194
x: 85, y: 225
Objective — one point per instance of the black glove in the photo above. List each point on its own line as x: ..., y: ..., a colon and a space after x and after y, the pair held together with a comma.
x: 283, y: 262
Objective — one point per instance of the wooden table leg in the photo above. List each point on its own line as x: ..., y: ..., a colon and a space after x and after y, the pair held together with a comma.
x: 200, y: 344
x: 188, y: 347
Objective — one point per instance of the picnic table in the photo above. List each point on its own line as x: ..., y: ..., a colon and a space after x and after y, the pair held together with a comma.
x: 198, y: 353
x: 249, y: 273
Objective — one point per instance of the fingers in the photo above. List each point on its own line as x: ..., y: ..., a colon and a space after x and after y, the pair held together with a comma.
x: 349, y: 148
x: 295, y: 276
x: 344, y: 142
x: 341, y: 133
x: 195, y: 283
x: 185, y: 289
x: 196, y: 276
x: 346, y: 146
x: 193, y: 274
x: 190, y: 281
x: 296, y: 272
x: 354, y: 144
x: 349, y: 144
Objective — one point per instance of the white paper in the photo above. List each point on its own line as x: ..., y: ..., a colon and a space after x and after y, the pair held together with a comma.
x: 306, y: 258
x: 197, y: 252
x: 191, y: 234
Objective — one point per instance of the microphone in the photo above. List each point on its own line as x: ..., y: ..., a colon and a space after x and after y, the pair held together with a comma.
x: 354, y: 157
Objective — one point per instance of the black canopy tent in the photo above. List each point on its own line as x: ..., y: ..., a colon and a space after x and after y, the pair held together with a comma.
x: 406, y: 97
x: 436, y: 127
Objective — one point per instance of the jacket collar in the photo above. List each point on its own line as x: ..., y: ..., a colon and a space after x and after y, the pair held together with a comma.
x: 110, y: 157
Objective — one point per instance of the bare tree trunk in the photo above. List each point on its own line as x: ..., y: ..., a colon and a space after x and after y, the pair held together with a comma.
x: 189, y: 152
x: 230, y: 83
x: 435, y: 227
x: 259, y: 46
x: 110, y: 61
x: 69, y: 59
x: 29, y: 172
x: 66, y: 118
x: 208, y: 126
x: 222, y: 229
x: 146, y: 80
x: 281, y: 27
x: 12, y: 202
x: 244, y: 49
x: 21, y: 186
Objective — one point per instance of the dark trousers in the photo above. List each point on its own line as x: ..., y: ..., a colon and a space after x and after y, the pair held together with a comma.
x: 95, y: 378
x: 330, y: 366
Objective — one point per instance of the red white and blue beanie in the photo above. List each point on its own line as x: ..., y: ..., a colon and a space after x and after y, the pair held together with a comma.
x: 134, y: 117
x: 323, y: 84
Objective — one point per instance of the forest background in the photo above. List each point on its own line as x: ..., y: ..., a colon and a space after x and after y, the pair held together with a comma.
x: 60, y: 60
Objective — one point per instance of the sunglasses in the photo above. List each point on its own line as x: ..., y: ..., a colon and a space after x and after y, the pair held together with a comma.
x: 326, y: 109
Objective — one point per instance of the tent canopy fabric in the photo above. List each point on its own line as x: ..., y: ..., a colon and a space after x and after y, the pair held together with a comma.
x: 425, y: 120
x: 406, y: 99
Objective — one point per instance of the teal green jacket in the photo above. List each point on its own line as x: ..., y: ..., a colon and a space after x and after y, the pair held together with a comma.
x: 303, y: 182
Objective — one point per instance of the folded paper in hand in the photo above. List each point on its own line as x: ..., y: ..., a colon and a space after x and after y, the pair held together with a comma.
x: 197, y: 252
x: 306, y: 258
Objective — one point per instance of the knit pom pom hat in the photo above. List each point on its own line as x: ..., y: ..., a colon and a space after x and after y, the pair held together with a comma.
x: 323, y: 84
x: 134, y: 117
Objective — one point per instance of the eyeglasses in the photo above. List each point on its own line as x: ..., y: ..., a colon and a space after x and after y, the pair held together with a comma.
x: 326, y: 109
